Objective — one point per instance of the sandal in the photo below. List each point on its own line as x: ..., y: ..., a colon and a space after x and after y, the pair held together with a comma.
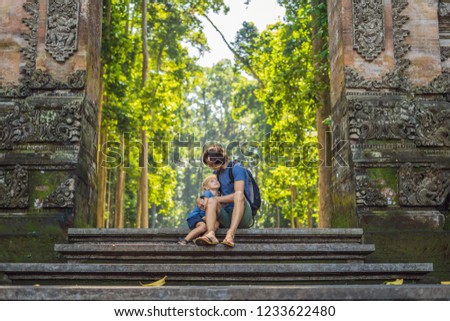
x: 205, y: 240
x: 228, y: 243
x: 183, y: 241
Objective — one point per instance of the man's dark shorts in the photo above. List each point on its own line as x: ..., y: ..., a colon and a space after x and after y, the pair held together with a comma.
x: 224, y: 217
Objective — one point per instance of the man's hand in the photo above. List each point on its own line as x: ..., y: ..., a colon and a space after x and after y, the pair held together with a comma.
x: 202, y: 203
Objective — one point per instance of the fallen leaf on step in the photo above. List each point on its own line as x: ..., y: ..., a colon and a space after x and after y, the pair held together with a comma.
x: 445, y: 282
x: 160, y: 282
x: 396, y: 282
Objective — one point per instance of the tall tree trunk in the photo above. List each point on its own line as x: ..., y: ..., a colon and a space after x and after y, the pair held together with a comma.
x: 144, y: 181
x: 153, y: 215
x: 293, y: 201
x: 142, y: 219
x: 297, y: 222
x: 278, y: 216
x: 127, y: 22
x: 323, y: 112
x: 139, y: 207
x: 144, y: 43
x: 107, y: 40
x: 120, y: 191
x: 310, y: 220
x: 102, y: 134
x: 101, y: 173
x: 108, y: 197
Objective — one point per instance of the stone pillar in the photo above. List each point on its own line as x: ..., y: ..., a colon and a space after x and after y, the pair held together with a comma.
x: 390, y: 92
x: 49, y: 96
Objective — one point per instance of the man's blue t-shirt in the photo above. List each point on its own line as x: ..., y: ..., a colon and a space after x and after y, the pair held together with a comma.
x: 197, y: 210
x: 227, y: 187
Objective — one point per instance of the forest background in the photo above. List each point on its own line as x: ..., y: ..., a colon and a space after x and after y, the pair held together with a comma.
x: 269, y: 106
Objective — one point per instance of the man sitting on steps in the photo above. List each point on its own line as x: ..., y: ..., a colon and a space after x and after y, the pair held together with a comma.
x: 231, y: 209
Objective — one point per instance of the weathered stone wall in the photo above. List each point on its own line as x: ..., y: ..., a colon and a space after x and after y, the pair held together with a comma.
x: 49, y: 93
x: 343, y: 194
x: 390, y: 89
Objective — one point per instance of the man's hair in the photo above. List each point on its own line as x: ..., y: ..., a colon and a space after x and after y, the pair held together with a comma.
x: 206, y: 181
x: 216, y: 154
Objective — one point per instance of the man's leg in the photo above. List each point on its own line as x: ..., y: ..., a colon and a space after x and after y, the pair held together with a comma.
x: 236, y: 217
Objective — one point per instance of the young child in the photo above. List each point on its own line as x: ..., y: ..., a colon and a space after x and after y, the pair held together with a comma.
x: 196, y: 218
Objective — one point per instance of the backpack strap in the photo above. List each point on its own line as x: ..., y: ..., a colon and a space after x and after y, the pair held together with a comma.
x: 230, y: 173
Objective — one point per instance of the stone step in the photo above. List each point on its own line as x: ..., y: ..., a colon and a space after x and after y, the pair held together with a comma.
x: 330, y: 292
x: 170, y: 235
x: 210, y: 274
x: 158, y: 253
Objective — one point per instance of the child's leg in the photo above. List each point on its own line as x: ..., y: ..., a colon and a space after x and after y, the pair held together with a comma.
x: 200, y: 228
x: 216, y: 226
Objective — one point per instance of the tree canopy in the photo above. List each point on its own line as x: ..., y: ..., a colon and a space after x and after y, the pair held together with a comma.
x: 261, y: 105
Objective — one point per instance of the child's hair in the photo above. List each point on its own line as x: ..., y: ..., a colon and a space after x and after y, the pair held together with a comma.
x: 206, y: 181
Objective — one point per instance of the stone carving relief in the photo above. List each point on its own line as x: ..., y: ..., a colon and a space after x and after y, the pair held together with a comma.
x: 368, y: 28
x: 444, y: 9
x: 62, y: 28
x: 38, y: 79
x: 432, y: 127
x: 400, y: 34
x: 439, y: 85
x: 32, y: 8
x: 405, y: 119
x: 445, y: 53
x: 394, y: 79
x: 367, y: 194
x: 14, y: 188
x: 429, y: 187
x: 41, y: 79
x: 444, y: 30
x: 63, y: 196
x: 381, y: 120
x: 31, y: 124
x: 29, y: 52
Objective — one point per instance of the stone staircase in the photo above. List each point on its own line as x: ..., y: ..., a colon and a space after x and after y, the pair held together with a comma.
x: 268, y: 256
x: 158, y: 246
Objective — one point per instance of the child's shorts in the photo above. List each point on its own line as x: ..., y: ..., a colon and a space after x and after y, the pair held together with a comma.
x: 194, y: 220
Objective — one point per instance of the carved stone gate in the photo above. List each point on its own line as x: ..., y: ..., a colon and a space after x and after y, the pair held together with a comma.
x: 49, y: 97
x: 389, y: 90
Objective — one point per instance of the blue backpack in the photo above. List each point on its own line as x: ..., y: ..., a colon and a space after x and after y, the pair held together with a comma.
x: 254, y: 198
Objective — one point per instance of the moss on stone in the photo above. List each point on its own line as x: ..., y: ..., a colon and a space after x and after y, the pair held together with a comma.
x: 344, y: 213
x: 38, y: 248
x: 31, y: 238
x: 412, y: 247
x: 42, y: 184
x: 385, y: 180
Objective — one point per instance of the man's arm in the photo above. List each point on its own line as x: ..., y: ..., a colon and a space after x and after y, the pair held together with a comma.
x: 238, y: 186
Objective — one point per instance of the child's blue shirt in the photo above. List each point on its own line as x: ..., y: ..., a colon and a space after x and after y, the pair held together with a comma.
x: 197, y: 210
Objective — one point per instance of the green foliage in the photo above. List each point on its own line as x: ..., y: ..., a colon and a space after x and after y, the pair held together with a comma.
x: 159, y: 106
x: 274, y: 111
x: 281, y: 56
